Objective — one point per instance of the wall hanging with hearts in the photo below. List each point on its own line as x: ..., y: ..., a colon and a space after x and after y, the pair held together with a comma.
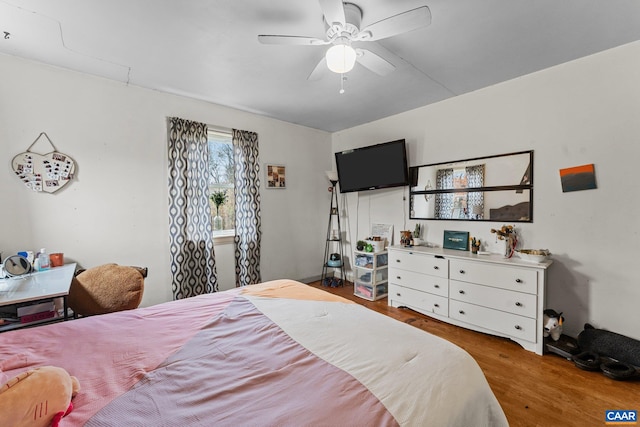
x: 43, y: 172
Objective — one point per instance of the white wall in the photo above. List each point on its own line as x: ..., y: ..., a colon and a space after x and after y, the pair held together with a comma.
x: 116, y: 208
x: 585, y: 111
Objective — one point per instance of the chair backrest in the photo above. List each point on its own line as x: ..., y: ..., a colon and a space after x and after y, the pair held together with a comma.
x: 106, y: 288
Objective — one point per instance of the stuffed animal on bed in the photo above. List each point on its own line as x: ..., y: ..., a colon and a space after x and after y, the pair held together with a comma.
x: 37, y: 398
x: 552, y: 323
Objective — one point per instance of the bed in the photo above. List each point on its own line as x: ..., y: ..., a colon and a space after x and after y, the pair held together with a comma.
x: 279, y: 353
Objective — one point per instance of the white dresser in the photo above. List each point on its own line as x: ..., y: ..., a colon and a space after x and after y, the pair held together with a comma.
x: 486, y: 293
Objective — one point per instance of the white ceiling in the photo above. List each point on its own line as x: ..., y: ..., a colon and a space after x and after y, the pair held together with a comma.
x: 209, y: 49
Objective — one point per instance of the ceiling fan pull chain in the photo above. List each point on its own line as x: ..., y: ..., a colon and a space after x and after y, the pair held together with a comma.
x: 343, y: 78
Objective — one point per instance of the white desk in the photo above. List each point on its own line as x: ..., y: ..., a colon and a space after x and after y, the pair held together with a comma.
x: 40, y: 285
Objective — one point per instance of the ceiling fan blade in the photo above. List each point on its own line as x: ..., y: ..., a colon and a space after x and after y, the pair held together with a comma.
x: 333, y: 11
x: 397, y: 24
x: 319, y: 71
x: 374, y: 62
x: 291, y: 40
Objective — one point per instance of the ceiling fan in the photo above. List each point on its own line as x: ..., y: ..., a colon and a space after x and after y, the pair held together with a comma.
x: 342, y: 22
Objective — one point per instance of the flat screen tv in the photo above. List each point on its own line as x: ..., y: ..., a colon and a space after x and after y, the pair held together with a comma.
x: 376, y: 166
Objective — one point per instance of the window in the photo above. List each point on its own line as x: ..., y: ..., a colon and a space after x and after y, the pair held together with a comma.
x: 221, y: 187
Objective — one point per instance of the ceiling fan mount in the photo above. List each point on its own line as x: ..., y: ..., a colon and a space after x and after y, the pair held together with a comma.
x: 351, y: 27
x: 343, y: 26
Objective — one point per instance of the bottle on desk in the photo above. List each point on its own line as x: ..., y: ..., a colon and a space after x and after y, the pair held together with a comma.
x: 42, y: 262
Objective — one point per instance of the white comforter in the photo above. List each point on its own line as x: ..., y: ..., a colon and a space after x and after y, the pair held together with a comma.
x: 421, y: 379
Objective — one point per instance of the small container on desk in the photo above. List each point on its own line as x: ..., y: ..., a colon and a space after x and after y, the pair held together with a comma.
x: 371, y: 275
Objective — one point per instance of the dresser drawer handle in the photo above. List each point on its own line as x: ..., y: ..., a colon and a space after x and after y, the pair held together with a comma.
x: 398, y: 294
x: 398, y: 260
x: 436, y: 286
x: 435, y: 267
x: 461, y: 291
x: 436, y: 305
x: 518, y: 327
x: 518, y: 304
x: 461, y: 271
x: 398, y: 277
x: 461, y: 311
x: 518, y: 280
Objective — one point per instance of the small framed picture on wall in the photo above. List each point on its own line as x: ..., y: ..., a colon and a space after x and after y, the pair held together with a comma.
x: 276, y: 176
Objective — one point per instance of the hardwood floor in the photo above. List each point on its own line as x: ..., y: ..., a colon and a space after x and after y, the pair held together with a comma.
x: 532, y: 390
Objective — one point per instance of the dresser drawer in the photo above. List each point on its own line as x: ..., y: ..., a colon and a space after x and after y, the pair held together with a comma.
x: 420, y: 263
x: 499, y: 321
x: 420, y: 282
x: 419, y: 301
x: 519, y: 303
x: 512, y: 278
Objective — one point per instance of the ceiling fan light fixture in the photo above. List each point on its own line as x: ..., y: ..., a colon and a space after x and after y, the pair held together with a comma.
x: 341, y: 58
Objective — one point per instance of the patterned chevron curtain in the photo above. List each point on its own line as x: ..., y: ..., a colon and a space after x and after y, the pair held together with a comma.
x: 247, y: 206
x: 444, y: 201
x: 193, y: 266
x: 475, y: 178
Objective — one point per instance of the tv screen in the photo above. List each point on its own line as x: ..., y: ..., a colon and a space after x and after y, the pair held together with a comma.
x: 376, y: 166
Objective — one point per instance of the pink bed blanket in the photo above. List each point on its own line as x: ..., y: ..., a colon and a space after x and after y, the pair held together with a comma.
x: 243, y: 370
x: 279, y: 354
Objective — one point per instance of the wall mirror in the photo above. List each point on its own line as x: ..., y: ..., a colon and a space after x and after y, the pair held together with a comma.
x: 493, y: 188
